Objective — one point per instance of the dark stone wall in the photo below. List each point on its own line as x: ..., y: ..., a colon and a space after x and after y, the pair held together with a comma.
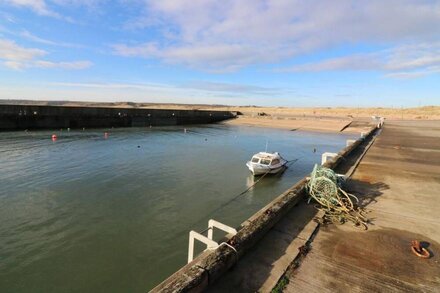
x: 46, y: 117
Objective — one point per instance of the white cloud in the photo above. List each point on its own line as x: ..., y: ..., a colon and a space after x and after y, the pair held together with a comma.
x: 9, y: 50
x: 38, y: 6
x: 228, y: 35
x: 194, y: 88
x: 29, y: 36
x: 74, y: 65
x: 214, y: 58
x: 353, y: 62
x: 18, y: 57
x: 136, y: 86
x: 235, y: 88
x: 406, y: 61
x: 414, y: 73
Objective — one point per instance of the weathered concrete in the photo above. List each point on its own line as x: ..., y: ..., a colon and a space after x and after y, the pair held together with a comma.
x: 398, y: 181
x: 216, y: 263
x: 37, y: 117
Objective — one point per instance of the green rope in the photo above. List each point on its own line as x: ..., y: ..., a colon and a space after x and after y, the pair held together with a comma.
x: 324, y: 187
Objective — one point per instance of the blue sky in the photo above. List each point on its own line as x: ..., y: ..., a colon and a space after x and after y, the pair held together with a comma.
x: 240, y: 52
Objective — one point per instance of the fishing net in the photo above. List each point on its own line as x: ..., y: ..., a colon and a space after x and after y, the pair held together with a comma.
x: 338, y: 205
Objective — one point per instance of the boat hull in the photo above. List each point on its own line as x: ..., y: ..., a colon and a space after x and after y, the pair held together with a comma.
x: 257, y: 169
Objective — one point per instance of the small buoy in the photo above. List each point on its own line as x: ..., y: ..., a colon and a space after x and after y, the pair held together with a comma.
x: 105, y: 134
x: 206, y: 139
x: 84, y: 128
x: 184, y: 130
x: 139, y: 146
x: 54, y: 137
x: 314, y: 150
x: 68, y: 129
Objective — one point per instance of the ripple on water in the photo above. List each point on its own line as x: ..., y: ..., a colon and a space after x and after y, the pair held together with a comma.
x: 87, y: 213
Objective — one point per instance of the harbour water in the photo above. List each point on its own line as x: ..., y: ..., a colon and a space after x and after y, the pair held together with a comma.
x: 90, y: 213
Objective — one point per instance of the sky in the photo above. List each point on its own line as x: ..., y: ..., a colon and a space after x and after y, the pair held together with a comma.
x: 381, y: 53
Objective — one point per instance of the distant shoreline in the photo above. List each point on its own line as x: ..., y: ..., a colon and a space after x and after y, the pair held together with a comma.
x: 346, y: 113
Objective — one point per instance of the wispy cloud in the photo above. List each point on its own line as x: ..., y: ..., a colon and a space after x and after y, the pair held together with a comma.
x: 73, y: 65
x: 353, y: 62
x: 17, y: 57
x: 212, y: 58
x: 235, y: 88
x: 138, y: 86
x: 10, y: 51
x: 228, y: 35
x: 38, y: 6
x: 406, y: 61
x: 29, y: 36
x: 198, y: 88
x: 415, y: 73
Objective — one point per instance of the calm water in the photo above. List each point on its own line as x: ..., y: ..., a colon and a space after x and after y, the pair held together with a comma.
x: 89, y: 214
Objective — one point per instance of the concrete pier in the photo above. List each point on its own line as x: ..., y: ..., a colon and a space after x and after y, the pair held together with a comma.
x: 398, y: 180
x: 39, y: 117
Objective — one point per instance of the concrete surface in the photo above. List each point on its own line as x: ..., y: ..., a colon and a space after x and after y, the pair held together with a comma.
x: 262, y: 267
x: 398, y: 180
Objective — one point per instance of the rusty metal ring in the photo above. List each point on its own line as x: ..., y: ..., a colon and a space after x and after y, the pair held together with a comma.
x: 422, y: 253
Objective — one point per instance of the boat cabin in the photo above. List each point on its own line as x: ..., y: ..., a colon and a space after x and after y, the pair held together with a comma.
x: 265, y: 160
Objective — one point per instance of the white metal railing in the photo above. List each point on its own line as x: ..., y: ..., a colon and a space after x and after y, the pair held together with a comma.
x: 208, y: 240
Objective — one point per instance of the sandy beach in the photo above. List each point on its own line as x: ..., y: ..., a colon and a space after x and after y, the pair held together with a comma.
x: 307, y: 124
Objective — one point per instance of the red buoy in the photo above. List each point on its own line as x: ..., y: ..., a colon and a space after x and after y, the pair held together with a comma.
x: 54, y: 137
x: 106, y: 135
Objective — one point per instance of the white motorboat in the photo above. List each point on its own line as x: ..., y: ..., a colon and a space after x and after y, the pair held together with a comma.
x: 263, y: 163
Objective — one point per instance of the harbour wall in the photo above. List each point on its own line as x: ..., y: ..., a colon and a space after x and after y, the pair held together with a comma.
x: 14, y: 117
x: 209, y: 266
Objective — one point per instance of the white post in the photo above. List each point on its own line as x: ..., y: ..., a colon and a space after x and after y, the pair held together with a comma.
x: 350, y: 141
x: 327, y: 155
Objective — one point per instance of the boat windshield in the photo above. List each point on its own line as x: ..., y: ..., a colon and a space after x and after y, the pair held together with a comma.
x: 265, y: 161
x: 255, y: 160
x: 275, y: 162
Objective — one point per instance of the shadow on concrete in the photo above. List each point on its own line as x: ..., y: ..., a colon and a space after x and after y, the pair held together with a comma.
x: 268, y: 260
x: 365, y: 191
